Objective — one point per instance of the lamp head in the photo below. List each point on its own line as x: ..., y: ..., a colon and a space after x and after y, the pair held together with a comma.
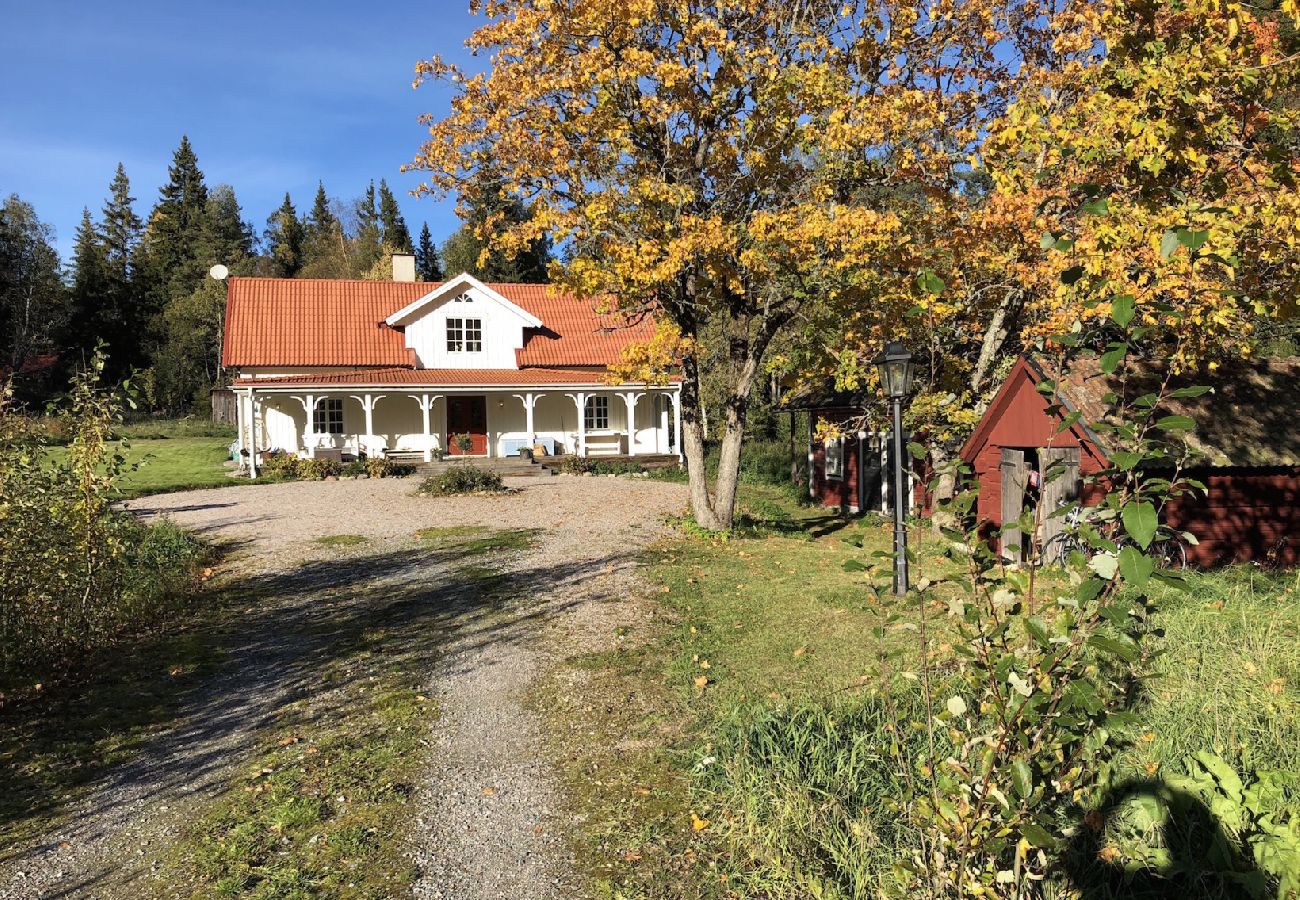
x: 896, y: 368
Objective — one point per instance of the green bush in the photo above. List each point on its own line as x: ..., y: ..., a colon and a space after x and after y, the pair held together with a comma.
x: 462, y: 479
x: 281, y: 464
x: 318, y: 469
x: 76, y: 574
x: 575, y: 465
x: 353, y: 468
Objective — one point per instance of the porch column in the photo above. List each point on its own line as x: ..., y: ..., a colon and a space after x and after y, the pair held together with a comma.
x: 529, y: 401
x: 426, y: 402
x: 629, y: 400
x: 677, y: 422
x: 308, y: 430
x: 581, y: 401
x: 252, y: 435
x: 368, y: 402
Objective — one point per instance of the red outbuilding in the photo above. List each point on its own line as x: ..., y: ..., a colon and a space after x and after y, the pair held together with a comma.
x: 1246, y: 445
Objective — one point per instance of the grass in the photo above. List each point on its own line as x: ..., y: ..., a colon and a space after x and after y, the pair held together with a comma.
x: 59, y: 737
x: 341, y: 540
x: 475, y: 540
x: 160, y: 465
x: 324, y: 806
x: 749, y: 754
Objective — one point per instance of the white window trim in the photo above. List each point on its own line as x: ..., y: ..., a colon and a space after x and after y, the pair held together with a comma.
x: 834, y: 450
x: 327, y: 415
x: 458, y: 334
x: 594, y: 413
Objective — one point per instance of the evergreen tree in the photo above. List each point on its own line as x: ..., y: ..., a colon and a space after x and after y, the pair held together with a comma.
x: 284, y: 240
x: 369, y: 240
x: 227, y: 238
x: 325, y: 251
x: 463, y: 249
x: 90, y: 293
x: 174, y: 235
x: 395, y: 233
x: 427, y: 266
x: 122, y: 310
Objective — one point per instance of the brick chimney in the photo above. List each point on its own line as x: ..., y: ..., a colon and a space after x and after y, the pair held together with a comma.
x: 403, y: 267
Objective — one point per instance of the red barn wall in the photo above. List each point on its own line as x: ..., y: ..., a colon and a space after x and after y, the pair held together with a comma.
x: 1246, y: 515
x: 842, y: 494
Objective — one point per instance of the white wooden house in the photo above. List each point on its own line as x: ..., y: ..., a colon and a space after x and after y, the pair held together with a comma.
x: 370, y: 367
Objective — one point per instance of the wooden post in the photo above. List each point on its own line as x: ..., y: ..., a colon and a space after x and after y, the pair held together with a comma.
x: 1012, y: 469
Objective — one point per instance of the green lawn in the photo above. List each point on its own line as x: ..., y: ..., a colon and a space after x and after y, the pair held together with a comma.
x: 159, y: 465
x: 736, y: 712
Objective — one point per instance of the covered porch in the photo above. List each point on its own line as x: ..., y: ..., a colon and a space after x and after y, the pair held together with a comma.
x: 425, y: 422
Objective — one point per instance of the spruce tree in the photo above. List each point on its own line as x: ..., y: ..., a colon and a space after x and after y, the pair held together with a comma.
x: 284, y: 240
x: 427, y: 266
x: 227, y: 238
x: 175, y: 232
x: 463, y: 249
x: 123, y: 310
x: 90, y: 294
x: 325, y: 250
x: 369, y: 241
x: 395, y: 233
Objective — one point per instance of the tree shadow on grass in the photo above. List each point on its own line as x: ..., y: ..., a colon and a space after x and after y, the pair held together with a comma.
x: 276, y: 633
x: 1148, y: 841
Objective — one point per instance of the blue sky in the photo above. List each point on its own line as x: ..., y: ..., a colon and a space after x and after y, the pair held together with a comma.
x: 273, y: 95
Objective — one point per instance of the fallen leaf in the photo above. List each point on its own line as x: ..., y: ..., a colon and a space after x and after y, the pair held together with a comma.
x: 285, y: 742
x: 702, y: 682
x: 698, y: 824
x: 800, y: 651
x: 489, y: 791
x: 704, y: 664
x: 632, y: 856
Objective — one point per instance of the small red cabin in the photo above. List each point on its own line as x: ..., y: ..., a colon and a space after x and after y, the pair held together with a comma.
x: 1247, y: 445
x: 854, y: 473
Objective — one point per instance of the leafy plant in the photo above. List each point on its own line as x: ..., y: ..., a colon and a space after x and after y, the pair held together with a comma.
x: 316, y: 469
x: 462, y: 479
x: 463, y: 442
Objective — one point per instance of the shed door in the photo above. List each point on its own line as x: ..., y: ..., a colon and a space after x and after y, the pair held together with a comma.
x: 1012, y: 468
x: 1060, y: 485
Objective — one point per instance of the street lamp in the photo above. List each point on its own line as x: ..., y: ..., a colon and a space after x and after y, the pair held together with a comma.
x: 896, y: 366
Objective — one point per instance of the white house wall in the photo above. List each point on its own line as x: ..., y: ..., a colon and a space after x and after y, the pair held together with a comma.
x: 503, y: 334
x: 398, y: 423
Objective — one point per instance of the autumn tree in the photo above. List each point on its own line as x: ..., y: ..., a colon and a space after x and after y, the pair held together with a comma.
x: 713, y: 164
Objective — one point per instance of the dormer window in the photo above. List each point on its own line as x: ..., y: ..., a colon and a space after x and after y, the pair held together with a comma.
x: 464, y: 335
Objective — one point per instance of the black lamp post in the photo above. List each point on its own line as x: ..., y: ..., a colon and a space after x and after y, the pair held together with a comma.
x: 896, y: 367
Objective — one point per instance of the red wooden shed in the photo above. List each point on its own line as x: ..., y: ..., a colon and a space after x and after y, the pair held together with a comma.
x: 1247, y: 447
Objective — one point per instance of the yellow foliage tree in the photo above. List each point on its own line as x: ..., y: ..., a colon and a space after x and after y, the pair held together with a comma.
x: 727, y: 165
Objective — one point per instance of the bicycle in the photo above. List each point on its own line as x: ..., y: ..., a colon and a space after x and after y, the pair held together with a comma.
x: 1168, y: 552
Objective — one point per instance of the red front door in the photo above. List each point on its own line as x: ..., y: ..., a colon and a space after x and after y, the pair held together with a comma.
x: 467, y: 415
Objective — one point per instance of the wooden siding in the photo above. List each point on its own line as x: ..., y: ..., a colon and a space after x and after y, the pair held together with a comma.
x: 1247, y: 514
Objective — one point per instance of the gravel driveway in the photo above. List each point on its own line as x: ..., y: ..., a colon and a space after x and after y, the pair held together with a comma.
x: 486, y: 823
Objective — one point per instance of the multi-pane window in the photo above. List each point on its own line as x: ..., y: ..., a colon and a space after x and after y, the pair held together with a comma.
x: 327, y: 417
x: 464, y: 335
x: 835, y: 458
x: 597, y: 417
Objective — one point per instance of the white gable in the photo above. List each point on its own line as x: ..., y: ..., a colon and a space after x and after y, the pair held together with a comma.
x: 454, y: 314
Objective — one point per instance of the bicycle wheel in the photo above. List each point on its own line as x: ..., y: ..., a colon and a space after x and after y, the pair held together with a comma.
x: 1170, y: 554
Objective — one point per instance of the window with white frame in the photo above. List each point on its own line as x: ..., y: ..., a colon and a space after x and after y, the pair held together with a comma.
x: 597, y: 414
x: 464, y: 335
x: 327, y: 417
x: 835, y: 458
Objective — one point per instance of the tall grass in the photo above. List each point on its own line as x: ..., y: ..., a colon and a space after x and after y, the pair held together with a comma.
x: 806, y: 792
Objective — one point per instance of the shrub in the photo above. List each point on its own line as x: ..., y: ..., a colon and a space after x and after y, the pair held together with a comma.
x: 318, y: 469
x: 75, y: 573
x: 281, y: 464
x: 383, y: 467
x: 462, y: 479
x: 354, y: 468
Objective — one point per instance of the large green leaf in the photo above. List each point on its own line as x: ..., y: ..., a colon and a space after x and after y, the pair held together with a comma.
x: 1122, y: 309
x: 1140, y: 521
x: 1169, y: 244
x: 1022, y: 778
x: 1135, y: 566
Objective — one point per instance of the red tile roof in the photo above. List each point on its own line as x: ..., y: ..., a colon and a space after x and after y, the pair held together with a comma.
x: 434, y: 377
x: 317, y: 322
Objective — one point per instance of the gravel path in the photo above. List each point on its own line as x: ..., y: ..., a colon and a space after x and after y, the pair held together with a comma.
x: 486, y: 823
